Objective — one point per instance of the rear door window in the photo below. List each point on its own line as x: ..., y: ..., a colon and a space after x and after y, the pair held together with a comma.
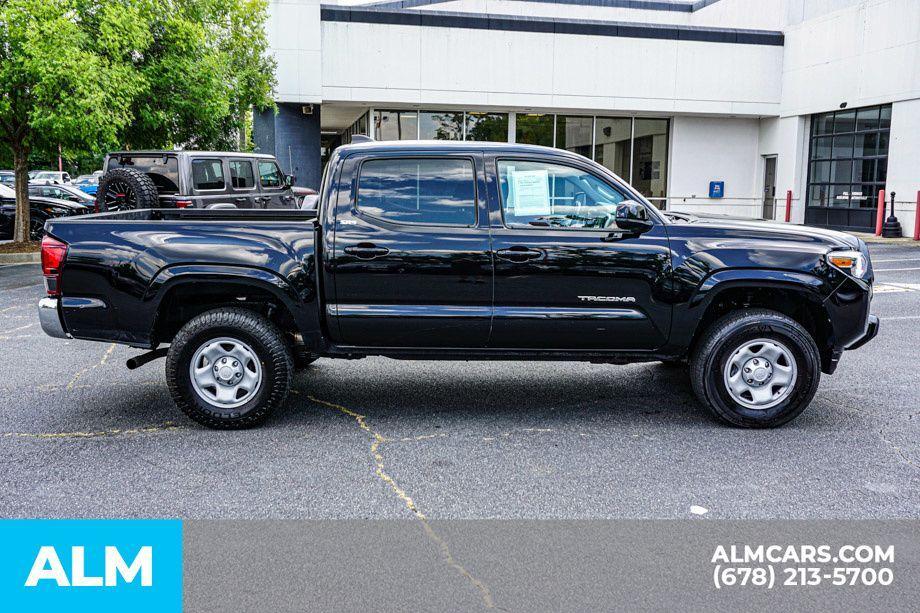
x: 207, y: 174
x: 270, y: 175
x: 436, y: 191
x: 241, y: 175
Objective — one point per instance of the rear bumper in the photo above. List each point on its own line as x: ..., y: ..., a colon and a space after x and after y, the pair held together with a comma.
x: 50, y: 317
x: 872, y: 325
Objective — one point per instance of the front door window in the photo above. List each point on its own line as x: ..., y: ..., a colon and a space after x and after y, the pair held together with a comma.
x: 538, y: 194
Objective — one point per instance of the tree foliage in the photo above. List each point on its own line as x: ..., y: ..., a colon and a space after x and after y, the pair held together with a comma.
x: 91, y: 75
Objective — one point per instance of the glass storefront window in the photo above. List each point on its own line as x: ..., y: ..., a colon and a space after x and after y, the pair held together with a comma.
x: 612, y: 148
x: 440, y: 125
x: 650, y: 157
x: 487, y: 127
x: 635, y: 149
x: 395, y: 125
x: 534, y: 129
x: 575, y: 134
x: 848, y: 169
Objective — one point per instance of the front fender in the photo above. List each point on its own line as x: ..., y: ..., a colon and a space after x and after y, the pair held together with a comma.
x: 757, y: 277
x: 689, y: 315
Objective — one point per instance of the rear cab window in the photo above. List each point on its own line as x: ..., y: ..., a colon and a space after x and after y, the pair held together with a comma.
x: 431, y: 191
x: 208, y: 174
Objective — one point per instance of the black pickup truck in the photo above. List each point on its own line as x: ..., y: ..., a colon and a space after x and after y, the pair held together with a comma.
x: 461, y: 251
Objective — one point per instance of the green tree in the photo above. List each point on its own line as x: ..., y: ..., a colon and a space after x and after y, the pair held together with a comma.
x: 50, y: 71
x: 207, y: 65
x: 91, y: 75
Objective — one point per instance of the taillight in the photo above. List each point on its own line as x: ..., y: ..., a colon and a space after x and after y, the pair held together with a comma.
x: 183, y: 204
x: 53, y: 254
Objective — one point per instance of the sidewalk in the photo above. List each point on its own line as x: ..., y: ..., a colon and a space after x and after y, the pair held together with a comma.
x: 872, y: 238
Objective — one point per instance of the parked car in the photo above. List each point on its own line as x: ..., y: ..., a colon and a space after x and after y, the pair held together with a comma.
x: 40, y: 210
x: 305, y: 197
x: 462, y: 251
x: 193, y: 179
x: 50, y: 177
x: 8, y: 178
x: 88, y: 183
x: 63, y: 192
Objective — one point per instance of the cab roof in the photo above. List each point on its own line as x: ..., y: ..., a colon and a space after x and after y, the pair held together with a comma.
x: 192, y: 152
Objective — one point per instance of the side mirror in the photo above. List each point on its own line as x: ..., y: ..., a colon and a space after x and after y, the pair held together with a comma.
x: 309, y: 202
x: 633, y: 217
x: 289, y: 180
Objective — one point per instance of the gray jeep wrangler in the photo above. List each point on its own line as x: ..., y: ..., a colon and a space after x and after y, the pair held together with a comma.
x: 193, y: 179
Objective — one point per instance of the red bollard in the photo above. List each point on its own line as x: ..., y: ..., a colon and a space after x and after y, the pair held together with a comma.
x: 880, y: 218
x: 788, y: 205
x: 917, y: 219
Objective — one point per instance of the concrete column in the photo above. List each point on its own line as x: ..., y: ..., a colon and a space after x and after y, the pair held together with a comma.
x: 293, y: 138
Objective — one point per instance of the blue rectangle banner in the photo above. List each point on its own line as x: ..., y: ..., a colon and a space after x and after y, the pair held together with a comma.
x: 91, y: 565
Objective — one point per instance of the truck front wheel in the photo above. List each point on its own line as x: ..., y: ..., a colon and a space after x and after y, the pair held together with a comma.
x: 229, y: 368
x: 756, y: 368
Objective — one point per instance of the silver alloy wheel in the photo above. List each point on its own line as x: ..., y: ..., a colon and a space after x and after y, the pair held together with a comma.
x: 225, y: 372
x: 760, y: 374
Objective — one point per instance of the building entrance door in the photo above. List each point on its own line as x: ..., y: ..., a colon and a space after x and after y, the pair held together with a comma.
x: 769, y: 187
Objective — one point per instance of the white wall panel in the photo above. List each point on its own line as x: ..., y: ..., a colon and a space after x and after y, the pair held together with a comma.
x: 293, y: 29
x: 904, y: 160
x: 705, y: 149
x: 533, y: 70
x: 861, y: 53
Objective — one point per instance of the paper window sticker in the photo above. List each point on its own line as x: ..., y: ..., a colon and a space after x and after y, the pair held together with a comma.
x: 531, y: 192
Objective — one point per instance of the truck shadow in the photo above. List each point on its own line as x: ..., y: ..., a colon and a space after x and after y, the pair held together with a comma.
x: 422, y: 393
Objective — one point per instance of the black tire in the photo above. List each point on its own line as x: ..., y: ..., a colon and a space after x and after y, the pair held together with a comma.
x: 724, y: 337
x: 123, y: 189
x: 265, y: 340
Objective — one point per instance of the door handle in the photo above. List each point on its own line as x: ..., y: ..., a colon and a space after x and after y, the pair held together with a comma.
x: 240, y: 200
x: 518, y: 254
x: 366, y: 251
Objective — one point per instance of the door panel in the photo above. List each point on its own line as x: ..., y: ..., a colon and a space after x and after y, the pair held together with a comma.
x: 581, y: 292
x: 581, y: 283
x: 273, y: 193
x: 243, y: 183
x: 407, y: 284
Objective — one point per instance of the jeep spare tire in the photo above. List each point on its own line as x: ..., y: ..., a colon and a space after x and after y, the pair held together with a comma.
x: 122, y: 189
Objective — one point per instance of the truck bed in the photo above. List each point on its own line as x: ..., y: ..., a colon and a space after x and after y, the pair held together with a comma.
x: 148, y: 253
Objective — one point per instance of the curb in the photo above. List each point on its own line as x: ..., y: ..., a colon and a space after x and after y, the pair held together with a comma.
x: 21, y: 258
x: 878, y: 240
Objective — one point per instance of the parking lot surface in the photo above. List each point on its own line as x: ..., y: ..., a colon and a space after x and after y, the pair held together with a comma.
x: 82, y: 436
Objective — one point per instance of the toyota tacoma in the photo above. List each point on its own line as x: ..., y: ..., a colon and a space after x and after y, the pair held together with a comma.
x: 461, y: 251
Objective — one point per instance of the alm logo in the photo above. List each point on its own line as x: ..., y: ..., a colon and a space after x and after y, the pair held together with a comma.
x: 47, y: 567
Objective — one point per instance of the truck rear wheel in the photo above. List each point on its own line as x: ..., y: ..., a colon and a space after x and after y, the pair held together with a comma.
x: 229, y: 368
x: 756, y: 368
x: 122, y: 189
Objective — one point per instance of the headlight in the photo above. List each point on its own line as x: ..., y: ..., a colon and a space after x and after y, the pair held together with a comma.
x: 851, y: 262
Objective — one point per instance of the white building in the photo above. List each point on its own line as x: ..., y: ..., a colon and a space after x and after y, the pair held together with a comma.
x: 817, y: 97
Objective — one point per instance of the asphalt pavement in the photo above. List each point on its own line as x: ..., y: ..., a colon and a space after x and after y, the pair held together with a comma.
x: 82, y: 436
